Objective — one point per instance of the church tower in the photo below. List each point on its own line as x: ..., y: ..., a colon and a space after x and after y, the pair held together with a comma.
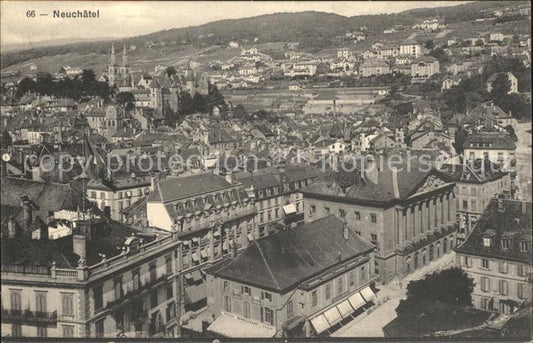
x: 113, y: 69
x: 125, y: 68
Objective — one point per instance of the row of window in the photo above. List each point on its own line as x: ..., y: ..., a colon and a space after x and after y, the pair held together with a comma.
x: 505, y: 243
x: 342, y: 213
x: 266, y: 316
x: 120, y: 195
x: 503, y: 267
x: 503, y: 287
x: 42, y: 331
x: 339, y: 283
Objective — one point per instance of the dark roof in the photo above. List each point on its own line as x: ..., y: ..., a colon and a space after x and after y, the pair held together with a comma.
x: 282, y: 261
x: 480, y: 171
x: 42, y: 252
x: 512, y: 221
x: 436, y: 316
x: 496, y: 140
x: 175, y: 188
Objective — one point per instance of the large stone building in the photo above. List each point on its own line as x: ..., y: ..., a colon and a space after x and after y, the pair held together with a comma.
x: 408, y: 215
x: 497, y: 255
x: 301, y: 282
x: 212, y: 216
x: 71, y: 273
x: 277, y: 195
x: 497, y: 147
x: 423, y: 68
x: 476, y: 184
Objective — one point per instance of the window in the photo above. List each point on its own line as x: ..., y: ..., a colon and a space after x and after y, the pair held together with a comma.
x: 99, y: 328
x: 118, y: 289
x: 168, y: 265
x: 226, y: 285
x: 467, y: 261
x: 342, y: 213
x: 246, y: 290
x: 171, y: 311
x: 227, y: 303
x: 136, y: 280
x: 15, y: 301
x: 41, y: 331
x: 465, y: 204
x: 326, y: 210
x: 153, y: 299
x: 484, y: 263
x: 246, y: 309
x: 357, y: 215
x: 502, y: 267
x: 373, y: 237
x: 340, y: 285
x: 289, y: 309
x: 98, y: 298
x: 520, y: 270
x: 503, y: 287
x: 119, y: 319
x: 314, y: 298
x: 40, y: 302
x: 153, y: 273
x: 484, y: 303
x: 266, y: 296
x: 16, y: 330
x: 485, y: 284
x: 68, y: 330
x: 327, y: 291
x: 363, y: 273
x: 486, y: 242
x: 67, y: 304
x: 523, y: 246
x: 351, y: 278
x: 373, y: 218
x: 313, y: 209
x: 506, y: 243
x: 268, y: 316
x: 170, y: 291
x: 520, y: 290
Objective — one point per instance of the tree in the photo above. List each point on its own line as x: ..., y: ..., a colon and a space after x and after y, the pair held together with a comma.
x: 170, y: 71
x: 460, y: 137
x: 429, y: 44
x: 439, y: 54
x: 480, y: 42
x: 88, y: 76
x: 215, y: 98
x: 125, y: 98
x: 199, y: 103
x: 6, y: 139
x: 452, y: 286
x: 500, y: 88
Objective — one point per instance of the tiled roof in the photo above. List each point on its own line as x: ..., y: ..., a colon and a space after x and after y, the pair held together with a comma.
x: 496, y: 140
x: 176, y: 188
x: 480, y: 171
x: 281, y: 261
x: 512, y: 222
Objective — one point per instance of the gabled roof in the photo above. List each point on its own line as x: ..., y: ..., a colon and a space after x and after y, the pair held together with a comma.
x: 282, y: 261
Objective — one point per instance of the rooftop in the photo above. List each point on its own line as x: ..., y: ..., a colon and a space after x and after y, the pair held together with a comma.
x: 282, y: 261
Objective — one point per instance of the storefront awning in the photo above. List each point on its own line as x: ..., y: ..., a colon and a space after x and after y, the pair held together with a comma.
x: 229, y: 326
x: 367, y: 294
x: 289, y: 209
x: 193, y: 294
x: 333, y: 316
x: 320, y: 323
x: 356, y: 300
x: 345, y: 308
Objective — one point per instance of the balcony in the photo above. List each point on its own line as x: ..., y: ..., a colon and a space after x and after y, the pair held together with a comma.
x: 27, y: 316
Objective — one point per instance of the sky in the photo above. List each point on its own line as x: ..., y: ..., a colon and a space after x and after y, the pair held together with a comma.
x: 132, y: 18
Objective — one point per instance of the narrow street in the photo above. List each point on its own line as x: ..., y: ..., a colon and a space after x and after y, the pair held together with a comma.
x: 370, y: 325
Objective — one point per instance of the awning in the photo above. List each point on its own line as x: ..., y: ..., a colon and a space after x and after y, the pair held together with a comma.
x: 194, y: 294
x: 232, y: 327
x: 356, y: 300
x: 289, y: 209
x: 345, y: 308
x: 333, y: 316
x: 367, y: 294
x: 320, y: 323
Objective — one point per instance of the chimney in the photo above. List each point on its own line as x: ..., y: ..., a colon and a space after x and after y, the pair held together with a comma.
x: 345, y: 231
x: 501, y: 206
x: 79, y: 246
x: 27, y: 213
x: 229, y: 176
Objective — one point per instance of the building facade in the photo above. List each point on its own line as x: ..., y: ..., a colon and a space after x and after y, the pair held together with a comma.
x: 497, y: 255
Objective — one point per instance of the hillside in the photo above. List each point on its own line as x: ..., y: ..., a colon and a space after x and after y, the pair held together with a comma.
x: 314, y: 30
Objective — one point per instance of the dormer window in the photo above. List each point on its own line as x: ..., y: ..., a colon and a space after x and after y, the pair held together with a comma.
x: 487, y: 242
x: 506, y: 243
x: 524, y: 246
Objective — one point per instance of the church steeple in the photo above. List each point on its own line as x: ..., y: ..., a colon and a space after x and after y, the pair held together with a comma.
x: 113, y: 59
x: 124, y: 56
